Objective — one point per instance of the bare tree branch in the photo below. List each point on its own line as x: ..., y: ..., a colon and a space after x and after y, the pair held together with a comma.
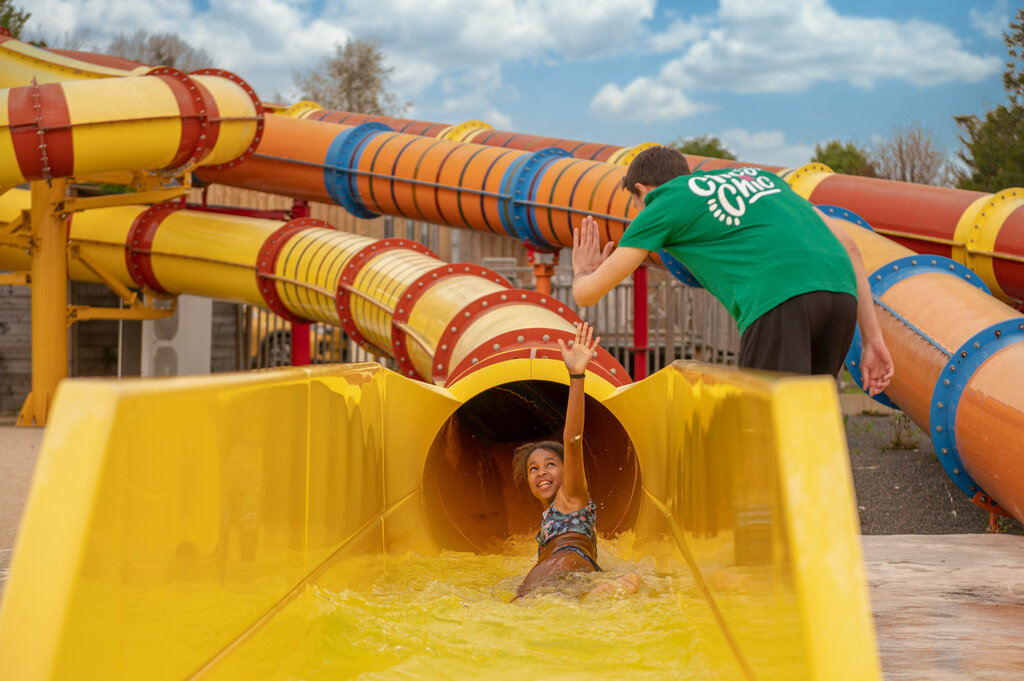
x: 910, y: 154
x: 160, y: 49
x: 354, y: 78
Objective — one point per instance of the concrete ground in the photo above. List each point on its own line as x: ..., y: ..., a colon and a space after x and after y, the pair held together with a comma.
x: 947, y: 596
x: 19, y: 448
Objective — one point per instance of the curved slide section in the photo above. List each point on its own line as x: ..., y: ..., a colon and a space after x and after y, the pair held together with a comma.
x: 291, y: 480
x: 22, y: 62
x: 205, y: 552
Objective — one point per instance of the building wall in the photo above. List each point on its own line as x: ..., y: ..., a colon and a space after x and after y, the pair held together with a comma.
x: 15, y: 347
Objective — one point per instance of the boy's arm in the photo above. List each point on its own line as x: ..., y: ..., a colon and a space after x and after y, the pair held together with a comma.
x: 876, y: 364
x: 597, y: 271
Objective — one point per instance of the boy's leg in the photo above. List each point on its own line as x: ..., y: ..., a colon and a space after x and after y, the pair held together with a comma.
x: 832, y: 340
x: 807, y: 334
x: 780, y: 339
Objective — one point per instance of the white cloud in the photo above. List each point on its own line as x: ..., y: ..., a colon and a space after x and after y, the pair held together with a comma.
x: 644, y: 100
x: 267, y: 41
x: 769, y: 147
x: 993, y: 21
x: 263, y: 41
x: 678, y: 34
x: 790, y: 45
x: 470, y: 96
x: 458, y: 32
x: 454, y: 37
x: 455, y: 55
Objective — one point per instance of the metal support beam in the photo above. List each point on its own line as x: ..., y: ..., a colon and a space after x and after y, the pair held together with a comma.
x: 126, y: 199
x: 122, y: 291
x: 137, y: 312
x: 49, y: 277
x: 15, y: 279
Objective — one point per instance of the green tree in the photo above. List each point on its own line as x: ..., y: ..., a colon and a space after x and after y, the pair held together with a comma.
x: 703, y: 145
x: 12, y: 18
x: 848, y: 158
x: 1013, y: 79
x: 353, y: 78
x: 159, y: 49
x: 994, y: 146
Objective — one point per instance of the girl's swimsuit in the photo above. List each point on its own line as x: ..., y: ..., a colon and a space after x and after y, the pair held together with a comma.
x: 566, y: 543
x: 576, y: 549
x: 582, y: 521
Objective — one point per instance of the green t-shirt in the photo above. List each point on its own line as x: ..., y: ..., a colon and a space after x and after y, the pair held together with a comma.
x: 746, y: 236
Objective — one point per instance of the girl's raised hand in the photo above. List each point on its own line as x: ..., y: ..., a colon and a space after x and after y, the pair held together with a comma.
x: 582, y: 351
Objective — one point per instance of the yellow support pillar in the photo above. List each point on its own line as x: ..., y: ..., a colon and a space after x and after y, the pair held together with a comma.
x: 49, y: 300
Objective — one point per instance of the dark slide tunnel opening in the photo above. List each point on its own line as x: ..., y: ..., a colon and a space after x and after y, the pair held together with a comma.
x: 471, y: 500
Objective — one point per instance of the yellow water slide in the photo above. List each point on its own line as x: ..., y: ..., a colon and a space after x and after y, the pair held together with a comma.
x: 209, y: 513
x: 243, y: 526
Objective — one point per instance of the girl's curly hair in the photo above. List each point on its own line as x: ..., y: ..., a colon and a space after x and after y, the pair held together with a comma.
x: 522, y: 455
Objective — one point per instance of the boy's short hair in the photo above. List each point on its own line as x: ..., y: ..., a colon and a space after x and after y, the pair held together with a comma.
x: 654, y: 166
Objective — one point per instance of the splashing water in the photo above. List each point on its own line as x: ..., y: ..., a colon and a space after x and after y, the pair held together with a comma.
x: 451, y: 617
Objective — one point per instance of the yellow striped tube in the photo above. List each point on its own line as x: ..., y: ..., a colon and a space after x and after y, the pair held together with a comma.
x: 165, y: 120
x: 392, y: 296
x: 21, y: 62
x: 804, y: 179
x: 977, y: 235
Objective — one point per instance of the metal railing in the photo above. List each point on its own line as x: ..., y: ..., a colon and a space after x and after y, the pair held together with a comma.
x: 683, y: 323
x: 268, y: 342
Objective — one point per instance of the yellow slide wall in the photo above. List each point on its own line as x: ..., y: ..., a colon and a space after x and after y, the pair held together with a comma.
x: 205, y: 509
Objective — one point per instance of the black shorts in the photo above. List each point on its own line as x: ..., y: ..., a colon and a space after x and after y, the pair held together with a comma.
x: 807, y: 334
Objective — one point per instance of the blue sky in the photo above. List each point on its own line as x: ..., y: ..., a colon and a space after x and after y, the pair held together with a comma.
x: 771, y: 78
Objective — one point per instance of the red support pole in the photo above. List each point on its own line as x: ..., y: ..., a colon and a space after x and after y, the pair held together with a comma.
x: 301, y: 355
x: 543, y: 268
x: 300, y: 345
x: 640, y: 348
x: 300, y: 208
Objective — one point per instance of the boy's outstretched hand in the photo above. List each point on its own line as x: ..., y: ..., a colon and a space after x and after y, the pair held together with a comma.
x: 587, y: 254
x: 579, y: 355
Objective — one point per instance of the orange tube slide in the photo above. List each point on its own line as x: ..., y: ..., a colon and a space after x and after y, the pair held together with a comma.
x: 959, y: 354
x: 371, y: 170
x: 983, y: 231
